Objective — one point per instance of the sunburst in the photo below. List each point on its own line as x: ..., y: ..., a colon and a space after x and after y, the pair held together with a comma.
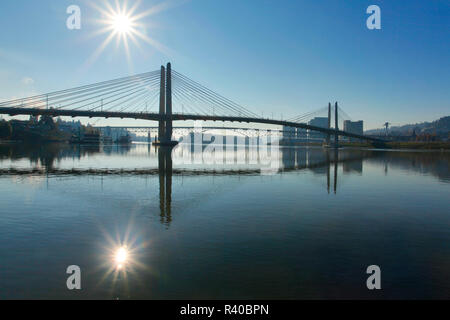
x: 123, y: 23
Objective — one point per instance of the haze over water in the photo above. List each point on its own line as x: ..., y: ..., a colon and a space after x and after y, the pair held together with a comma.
x: 223, y: 231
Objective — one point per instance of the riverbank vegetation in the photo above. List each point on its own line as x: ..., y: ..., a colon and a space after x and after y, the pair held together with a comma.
x: 411, y: 145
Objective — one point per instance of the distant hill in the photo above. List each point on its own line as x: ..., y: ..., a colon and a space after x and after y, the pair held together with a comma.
x: 439, y: 127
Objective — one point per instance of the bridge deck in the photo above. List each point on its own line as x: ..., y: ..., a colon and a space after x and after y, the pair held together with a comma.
x: 174, y: 117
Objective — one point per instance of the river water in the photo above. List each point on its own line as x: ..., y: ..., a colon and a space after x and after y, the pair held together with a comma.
x: 202, y: 224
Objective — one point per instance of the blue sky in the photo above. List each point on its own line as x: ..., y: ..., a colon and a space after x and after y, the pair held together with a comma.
x: 285, y: 57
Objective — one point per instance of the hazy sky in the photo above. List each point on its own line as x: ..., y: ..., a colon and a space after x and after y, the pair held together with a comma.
x: 286, y: 57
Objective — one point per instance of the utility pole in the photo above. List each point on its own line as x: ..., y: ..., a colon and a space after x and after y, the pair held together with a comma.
x: 386, y: 125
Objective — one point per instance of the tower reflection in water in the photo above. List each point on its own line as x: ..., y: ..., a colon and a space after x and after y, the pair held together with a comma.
x: 58, y: 160
x: 165, y: 183
x: 144, y: 186
x: 322, y: 162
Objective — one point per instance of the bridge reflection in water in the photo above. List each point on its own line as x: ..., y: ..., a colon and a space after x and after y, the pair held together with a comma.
x: 145, y: 160
x: 221, y: 224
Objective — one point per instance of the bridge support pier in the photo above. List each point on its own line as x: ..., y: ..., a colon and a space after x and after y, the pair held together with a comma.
x: 165, y: 109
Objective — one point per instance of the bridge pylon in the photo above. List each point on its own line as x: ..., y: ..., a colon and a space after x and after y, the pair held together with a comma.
x: 165, y: 129
x: 162, y: 106
x: 329, y: 123
x: 336, y: 126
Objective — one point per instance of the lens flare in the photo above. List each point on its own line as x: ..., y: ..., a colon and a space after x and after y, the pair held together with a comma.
x: 121, y: 257
x: 125, y: 24
x: 121, y: 23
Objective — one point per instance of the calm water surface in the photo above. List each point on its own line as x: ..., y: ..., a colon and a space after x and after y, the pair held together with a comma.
x: 212, y: 230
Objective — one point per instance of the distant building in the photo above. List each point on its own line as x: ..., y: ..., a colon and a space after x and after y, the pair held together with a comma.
x: 116, y: 134
x: 289, y: 133
x: 355, y: 127
x: 293, y: 135
x: 321, y: 122
x: 302, y: 135
x: 72, y: 127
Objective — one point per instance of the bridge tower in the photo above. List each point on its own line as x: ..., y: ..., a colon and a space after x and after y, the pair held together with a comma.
x: 162, y: 106
x: 165, y: 129
x: 336, y: 126
x: 329, y: 123
x: 169, y: 103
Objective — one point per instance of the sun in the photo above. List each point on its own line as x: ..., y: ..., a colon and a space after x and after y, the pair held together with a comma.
x: 121, y: 255
x: 121, y: 23
x: 128, y: 25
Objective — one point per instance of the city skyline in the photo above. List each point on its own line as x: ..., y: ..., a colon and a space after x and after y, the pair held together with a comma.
x: 291, y: 57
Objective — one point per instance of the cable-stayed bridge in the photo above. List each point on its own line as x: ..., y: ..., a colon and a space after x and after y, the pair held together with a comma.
x: 164, y: 96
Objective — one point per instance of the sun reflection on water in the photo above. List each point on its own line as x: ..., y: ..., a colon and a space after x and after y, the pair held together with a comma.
x: 121, y: 257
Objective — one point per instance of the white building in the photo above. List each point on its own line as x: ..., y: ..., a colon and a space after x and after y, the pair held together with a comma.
x: 321, y: 122
x: 356, y: 127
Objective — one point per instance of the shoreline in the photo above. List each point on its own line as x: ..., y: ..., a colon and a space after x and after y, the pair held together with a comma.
x: 389, y: 146
x: 412, y: 146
